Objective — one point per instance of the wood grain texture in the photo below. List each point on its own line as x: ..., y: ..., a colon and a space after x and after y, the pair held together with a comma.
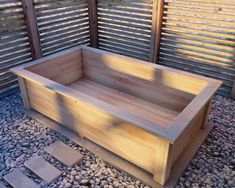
x: 95, y: 125
x: 32, y: 27
x: 141, y: 108
x: 96, y: 102
x: 196, y: 37
x: 233, y: 91
x: 93, y: 21
x: 122, y: 164
x: 192, y: 129
x: 162, y: 161
x: 167, y: 88
x: 206, y: 113
x: 69, y: 65
x: 157, y: 17
x: 112, y: 111
x: 24, y: 92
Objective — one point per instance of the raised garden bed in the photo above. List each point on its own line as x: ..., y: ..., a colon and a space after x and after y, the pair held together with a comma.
x: 145, y: 113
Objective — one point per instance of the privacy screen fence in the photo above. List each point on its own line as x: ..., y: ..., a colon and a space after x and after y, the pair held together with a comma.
x: 192, y: 35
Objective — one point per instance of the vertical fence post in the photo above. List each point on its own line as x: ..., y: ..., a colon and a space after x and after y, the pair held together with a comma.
x: 233, y: 91
x: 32, y: 28
x: 157, y: 15
x: 93, y: 21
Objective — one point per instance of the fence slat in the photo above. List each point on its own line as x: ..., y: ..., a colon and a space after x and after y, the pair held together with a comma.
x: 62, y: 24
x: 125, y: 27
x: 199, y: 36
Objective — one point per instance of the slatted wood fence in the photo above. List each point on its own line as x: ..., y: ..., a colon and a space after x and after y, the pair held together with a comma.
x: 14, y: 45
x: 192, y: 35
x: 199, y: 36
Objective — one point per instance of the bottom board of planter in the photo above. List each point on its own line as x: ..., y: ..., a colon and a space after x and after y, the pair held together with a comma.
x: 122, y: 164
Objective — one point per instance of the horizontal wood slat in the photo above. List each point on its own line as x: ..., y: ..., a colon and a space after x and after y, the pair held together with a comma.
x: 199, y: 36
x: 14, y: 45
x: 125, y: 27
x: 62, y: 24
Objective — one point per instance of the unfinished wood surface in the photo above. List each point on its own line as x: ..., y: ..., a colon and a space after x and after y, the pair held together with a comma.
x: 14, y: 45
x: 162, y: 161
x: 206, y: 113
x: 192, y: 129
x: 157, y: 16
x: 93, y: 104
x: 143, y: 109
x: 170, y: 89
x: 185, y: 118
x: 196, y: 37
x: 98, y: 107
x: 130, y: 23
x: 62, y: 24
x: 93, y: 21
x: 122, y: 164
x: 233, y: 91
x: 24, y: 93
x: 63, y: 69
x: 32, y: 28
x: 95, y: 125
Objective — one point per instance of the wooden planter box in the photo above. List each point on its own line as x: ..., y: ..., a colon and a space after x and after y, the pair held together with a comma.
x: 145, y: 113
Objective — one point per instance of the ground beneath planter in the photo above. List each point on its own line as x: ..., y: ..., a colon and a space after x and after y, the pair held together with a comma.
x: 22, y: 136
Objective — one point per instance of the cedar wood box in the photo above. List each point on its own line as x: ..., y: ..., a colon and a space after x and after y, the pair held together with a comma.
x: 143, y: 112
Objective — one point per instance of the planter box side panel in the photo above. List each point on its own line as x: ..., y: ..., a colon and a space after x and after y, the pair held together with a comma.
x: 169, y: 89
x: 64, y: 69
x: 187, y: 136
x: 122, y: 138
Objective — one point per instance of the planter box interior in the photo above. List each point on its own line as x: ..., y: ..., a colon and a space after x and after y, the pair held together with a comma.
x: 145, y: 113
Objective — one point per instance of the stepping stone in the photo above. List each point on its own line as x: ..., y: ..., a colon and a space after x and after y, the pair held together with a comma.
x: 2, y: 185
x: 42, y: 168
x: 18, y: 180
x: 64, y: 153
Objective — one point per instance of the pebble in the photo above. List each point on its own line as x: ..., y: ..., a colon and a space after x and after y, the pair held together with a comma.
x: 74, y: 173
x: 67, y: 185
x: 84, y: 181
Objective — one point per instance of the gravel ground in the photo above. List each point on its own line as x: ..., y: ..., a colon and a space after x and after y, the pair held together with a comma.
x: 21, y: 137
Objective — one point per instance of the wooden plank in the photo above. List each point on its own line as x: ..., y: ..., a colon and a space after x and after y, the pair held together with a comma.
x: 33, y: 33
x: 97, y: 106
x: 206, y: 113
x: 183, y: 160
x: 95, y: 125
x: 163, y: 161
x: 153, y: 31
x: 24, y: 93
x: 72, y: 38
x: 122, y: 164
x: 233, y: 91
x: 65, y: 45
x: 192, y: 129
x: 150, y: 73
x: 135, y: 78
x: 69, y: 65
x: 135, y: 105
x: 48, y: 58
x: 188, y: 114
x: 158, y: 6
x: 93, y: 21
